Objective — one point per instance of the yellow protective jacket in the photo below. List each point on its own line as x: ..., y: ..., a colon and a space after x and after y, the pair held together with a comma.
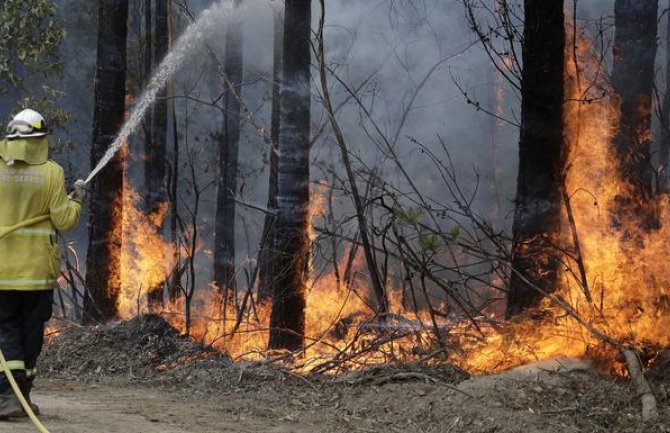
x: 32, y: 186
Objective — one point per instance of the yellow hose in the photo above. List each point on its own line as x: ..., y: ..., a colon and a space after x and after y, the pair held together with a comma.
x: 26, y: 223
x: 19, y: 395
x: 3, y: 361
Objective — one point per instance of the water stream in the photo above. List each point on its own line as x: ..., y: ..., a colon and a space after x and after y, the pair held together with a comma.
x: 194, y: 34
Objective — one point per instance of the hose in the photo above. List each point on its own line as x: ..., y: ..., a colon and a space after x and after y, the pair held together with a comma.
x: 26, y: 223
x: 3, y: 361
x: 15, y: 386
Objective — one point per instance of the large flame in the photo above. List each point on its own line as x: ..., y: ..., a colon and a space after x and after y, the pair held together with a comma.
x: 145, y: 256
x: 628, y: 283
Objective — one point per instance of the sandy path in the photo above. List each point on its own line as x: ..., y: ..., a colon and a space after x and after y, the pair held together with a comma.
x: 546, y: 397
x: 79, y: 408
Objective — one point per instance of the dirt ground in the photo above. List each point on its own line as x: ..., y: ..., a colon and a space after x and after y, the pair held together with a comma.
x: 135, y: 379
x: 70, y: 407
x: 546, y: 397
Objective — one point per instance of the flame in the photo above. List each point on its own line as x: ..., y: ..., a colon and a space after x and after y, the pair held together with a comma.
x: 628, y: 282
x: 335, y: 313
x: 145, y: 256
x: 629, y: 277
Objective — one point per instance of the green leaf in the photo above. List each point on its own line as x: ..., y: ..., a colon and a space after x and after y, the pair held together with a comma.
x: 430, y: 242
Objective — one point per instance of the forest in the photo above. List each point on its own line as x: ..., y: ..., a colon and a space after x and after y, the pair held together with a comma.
x: 352, y: 215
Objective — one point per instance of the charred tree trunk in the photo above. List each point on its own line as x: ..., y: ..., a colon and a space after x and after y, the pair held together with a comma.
x: 146, y: 47
x: 224, y: 247
x: 104, y: 249
x: 269, y: 238
x: 537, y: 215
x: 634, y: 48
x: 175, y: 279
x: 155, y: 161
x: 287, y: 322
x: 664, y: 142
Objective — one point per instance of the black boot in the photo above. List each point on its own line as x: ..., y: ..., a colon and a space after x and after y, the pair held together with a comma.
x: 10, y: 407
x: 25, y: 390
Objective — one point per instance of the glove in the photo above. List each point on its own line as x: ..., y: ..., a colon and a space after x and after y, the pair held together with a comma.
x: 79, y: 193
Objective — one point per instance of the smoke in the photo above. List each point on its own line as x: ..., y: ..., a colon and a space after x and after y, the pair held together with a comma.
x: 410, y: 61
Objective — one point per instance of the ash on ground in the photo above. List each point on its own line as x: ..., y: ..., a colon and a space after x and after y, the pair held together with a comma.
x: 139, y: 348
x: 547, y: 397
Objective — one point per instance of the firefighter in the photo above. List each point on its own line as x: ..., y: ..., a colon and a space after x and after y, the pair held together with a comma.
x: 31, y: 186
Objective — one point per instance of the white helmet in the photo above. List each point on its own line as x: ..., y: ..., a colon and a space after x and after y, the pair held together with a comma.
x: 28, y: 123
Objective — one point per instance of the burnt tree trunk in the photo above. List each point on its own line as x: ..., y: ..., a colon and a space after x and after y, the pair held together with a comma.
x: 104, y: 248
x: 537, y: 214
x: 287, y: 322
x: 146, y: 47
x: 634, y: 49
x: 224, y: 247
x: 269, y: 238
x: 155, y: 161
x: 175, y: 278
x: 664, y: 141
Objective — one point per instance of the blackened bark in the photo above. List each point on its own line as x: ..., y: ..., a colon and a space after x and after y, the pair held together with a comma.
x: 664, y: 142
x: 145, y: 76
x: 537, y: 215
x: 155, y: 161
x: 104, y: 249
x: 148, y: 41
x: 287, y: 322
x: 269, y: 238
x: 224, y: 236
x: 634, y: 49
x: 146, y: 50
x: 175, y: 280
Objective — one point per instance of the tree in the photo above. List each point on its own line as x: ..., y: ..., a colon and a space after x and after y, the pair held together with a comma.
x: 664, y: 115
x: 173, y: 181
x: 537, y: 214
x: 29, y: 51
x: 224, y: 231
x: 287, y: 322
x: 155, y: 161
x: 269, y: 237
x: 634, y: 51
x: 30, y: 40
x: 104, y: 248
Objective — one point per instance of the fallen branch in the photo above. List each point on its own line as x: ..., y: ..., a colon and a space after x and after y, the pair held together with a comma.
x: 575, y: 240
x: 649, y: 407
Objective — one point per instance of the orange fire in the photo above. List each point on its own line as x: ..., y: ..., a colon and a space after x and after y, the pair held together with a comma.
x: 145, y: 256
x: 628, y: 283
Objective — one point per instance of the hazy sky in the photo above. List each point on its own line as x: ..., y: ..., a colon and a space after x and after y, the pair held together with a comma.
x: 410, y: 54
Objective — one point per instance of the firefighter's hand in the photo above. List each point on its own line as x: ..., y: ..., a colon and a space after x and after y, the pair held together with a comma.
x: 79, y: 193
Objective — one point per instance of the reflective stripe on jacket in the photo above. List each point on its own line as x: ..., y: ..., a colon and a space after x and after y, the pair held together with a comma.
x: 30, y: 256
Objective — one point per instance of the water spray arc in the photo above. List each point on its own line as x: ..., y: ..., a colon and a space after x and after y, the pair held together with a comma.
x: 195, y: 33
x: 174, y: 59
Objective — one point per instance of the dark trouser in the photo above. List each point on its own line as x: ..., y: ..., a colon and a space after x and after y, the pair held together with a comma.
x: 22, y: 318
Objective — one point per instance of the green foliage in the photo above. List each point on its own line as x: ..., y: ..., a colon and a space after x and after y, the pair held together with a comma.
x: 430, y: 242
x: 409, y: 216
x: 455, y: 234
x: 427, y: 241
x: 30, y: 36
x: 47, y: 105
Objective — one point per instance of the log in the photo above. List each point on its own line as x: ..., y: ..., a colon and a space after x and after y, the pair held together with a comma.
x: 649, y: 407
